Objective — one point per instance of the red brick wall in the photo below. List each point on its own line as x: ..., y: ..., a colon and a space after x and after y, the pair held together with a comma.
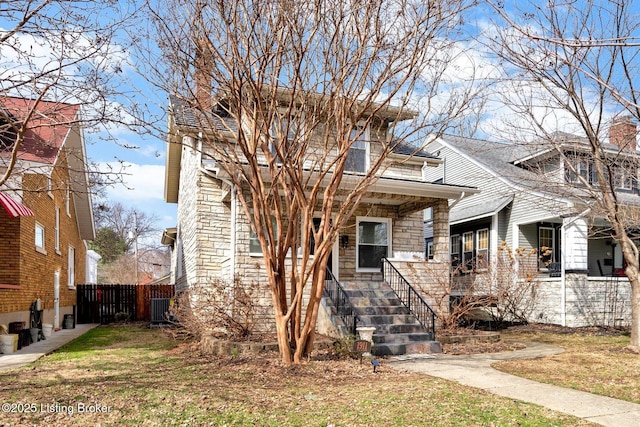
x: 35, y: 270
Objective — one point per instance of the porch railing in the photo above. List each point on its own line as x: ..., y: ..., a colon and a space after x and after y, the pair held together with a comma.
x: 344, y: 309
x: 409, y: 296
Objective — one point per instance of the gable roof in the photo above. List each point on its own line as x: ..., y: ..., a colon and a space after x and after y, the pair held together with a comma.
x: 49, y: 125
x: 52, y: 127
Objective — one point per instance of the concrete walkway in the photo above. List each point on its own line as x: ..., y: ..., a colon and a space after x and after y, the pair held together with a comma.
x: 476, y: 371
x: 35, y: 351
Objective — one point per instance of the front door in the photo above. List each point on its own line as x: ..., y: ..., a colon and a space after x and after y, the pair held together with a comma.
x: 330, y: 263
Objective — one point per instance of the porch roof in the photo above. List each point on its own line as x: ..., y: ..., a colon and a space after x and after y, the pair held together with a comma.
x: 479, y: 211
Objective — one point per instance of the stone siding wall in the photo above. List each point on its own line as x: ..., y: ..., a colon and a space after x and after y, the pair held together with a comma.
x: 590, y: 301
x: 429, y: 278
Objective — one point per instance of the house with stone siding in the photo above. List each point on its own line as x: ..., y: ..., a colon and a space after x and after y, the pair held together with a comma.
x: 214, y: 241
x: 531, y: 200
x: 42, y: 238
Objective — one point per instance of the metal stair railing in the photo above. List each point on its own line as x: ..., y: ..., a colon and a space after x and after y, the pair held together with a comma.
x: 409, y: 296
x: 344, y: 309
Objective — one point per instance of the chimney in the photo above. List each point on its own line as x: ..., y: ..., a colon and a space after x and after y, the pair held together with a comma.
x: 202, y: 75
x: 623, y: 133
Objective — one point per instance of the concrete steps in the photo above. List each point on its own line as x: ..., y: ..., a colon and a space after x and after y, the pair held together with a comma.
x: 397, y: 330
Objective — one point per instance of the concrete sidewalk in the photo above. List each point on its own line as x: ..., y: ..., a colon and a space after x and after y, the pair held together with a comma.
x: 33, y: 352
x: 476, y: 371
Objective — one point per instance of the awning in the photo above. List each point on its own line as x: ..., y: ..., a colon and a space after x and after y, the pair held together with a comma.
x: 14, y: 208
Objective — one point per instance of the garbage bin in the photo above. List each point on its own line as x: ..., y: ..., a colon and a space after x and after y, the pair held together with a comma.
x: 68, y: 321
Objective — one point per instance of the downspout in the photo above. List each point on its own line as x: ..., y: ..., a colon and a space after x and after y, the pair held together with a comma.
x: 563, y: 267
x: 234, y: 219
x: 232, y: 240
x: 456, y: 201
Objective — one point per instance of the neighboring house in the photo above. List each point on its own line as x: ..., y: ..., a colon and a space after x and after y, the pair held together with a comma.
x: 93, y: 260
x: 213, y: 240
x: 530, y: 199
x: 42, y: 247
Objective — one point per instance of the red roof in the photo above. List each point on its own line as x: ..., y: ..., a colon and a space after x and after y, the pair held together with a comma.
x: 48, y: 126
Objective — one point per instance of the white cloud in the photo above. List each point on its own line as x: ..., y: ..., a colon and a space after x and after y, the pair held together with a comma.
x: 140, y: 183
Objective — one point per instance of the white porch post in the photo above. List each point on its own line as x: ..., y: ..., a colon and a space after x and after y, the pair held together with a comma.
x: 574, y: 243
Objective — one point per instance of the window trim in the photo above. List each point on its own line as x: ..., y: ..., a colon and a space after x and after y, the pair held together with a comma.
x: 482, y: 250
x: 68, y: 200
x: 455, y: 249
x: 254, y: 236
x: 430, y: 249
x: 56, y: 235
x: 71, y: 267
x: 389, y: 223
x: 365, y: 137
x: 40, y: 248
x: 464, y: 261
x: 295, y: 123
x: 553, y: 246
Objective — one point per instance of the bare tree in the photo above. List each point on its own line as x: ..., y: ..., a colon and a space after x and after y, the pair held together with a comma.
x: 295, y: 85
x: 577, y: 63
x: 128, y: 224
x: 62, y: 54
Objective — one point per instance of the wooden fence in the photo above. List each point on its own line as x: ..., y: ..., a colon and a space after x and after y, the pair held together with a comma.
x: 99, y: 303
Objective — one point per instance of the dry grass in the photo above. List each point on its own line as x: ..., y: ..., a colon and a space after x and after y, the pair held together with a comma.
x: 594, y: 360
x: 146, y: 378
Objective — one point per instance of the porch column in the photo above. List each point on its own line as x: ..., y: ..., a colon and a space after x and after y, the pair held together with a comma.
x: 574, y: 245
x: 441, y: 231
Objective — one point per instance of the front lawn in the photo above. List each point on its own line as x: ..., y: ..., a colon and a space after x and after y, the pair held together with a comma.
x: 131, y: 375
x: 594, y: 360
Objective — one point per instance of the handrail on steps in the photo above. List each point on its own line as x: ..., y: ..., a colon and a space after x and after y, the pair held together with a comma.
x: 344, y: 309
x: 409, y: 296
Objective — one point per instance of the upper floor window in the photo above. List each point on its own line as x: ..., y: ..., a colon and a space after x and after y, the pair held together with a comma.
x: 284, y: 129
x: 623, y: 178
x: 358, y: 157
x: 68, y: 200
x: 582, y: 167
x: 56, y: 237
x: 39, y: 238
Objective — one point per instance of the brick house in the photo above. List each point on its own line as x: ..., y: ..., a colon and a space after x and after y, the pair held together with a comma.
x: 213, y: 239
x: 42, y: 256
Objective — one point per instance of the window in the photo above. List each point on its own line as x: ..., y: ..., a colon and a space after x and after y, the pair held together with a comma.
x: 467, y: 250
x: 482, y: 248
x: 40, y: 238
x: 430, y: 249
x: 582, y: 170
x: 71, y: 271
x: 49, y: 187
x: 56, y: 236
x: 254, y: 242
x: 358, y: 157
x: 373, y: 242
x: 455, y: 249
x: 546, y: 238
x: 68, y: 200
x: 622, y: 178
x: 284, y: 129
